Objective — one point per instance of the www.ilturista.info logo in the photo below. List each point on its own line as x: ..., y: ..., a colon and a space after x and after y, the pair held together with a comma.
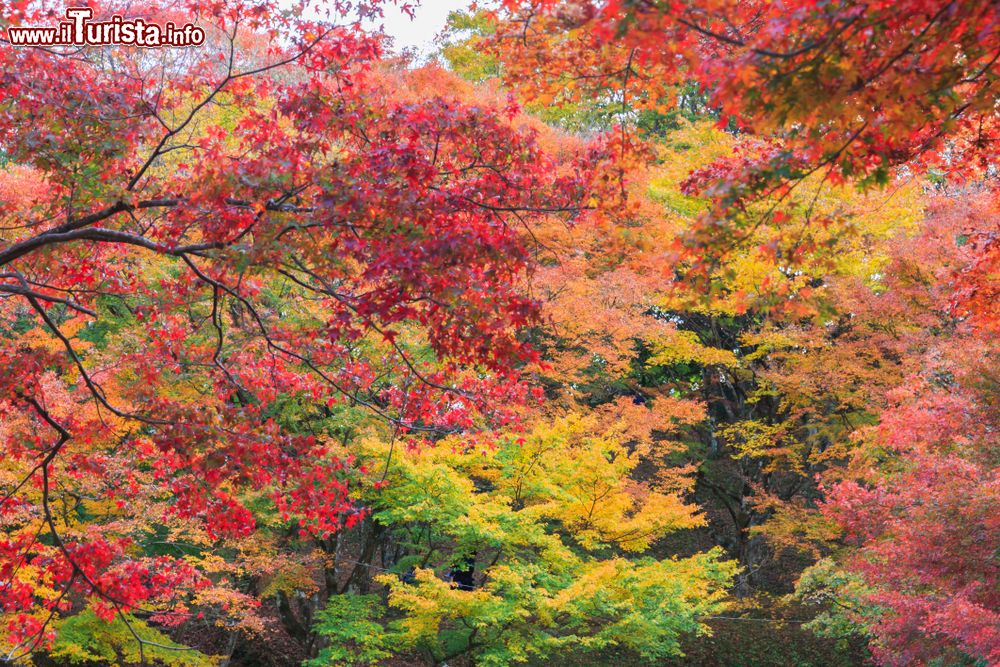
x: 79, y: 30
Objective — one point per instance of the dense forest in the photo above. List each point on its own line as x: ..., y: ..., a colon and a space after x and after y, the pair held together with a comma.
x: 612, y: 332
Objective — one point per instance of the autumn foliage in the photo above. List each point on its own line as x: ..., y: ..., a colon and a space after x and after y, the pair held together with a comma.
x: 620, y: 332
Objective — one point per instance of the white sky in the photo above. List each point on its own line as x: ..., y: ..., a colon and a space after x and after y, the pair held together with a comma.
x: 428, y: 21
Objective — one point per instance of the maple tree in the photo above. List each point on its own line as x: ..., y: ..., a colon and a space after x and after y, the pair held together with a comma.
x: 531, y: 522
x: 919, y: 502
x: 849, y: 91
x: 195, y: 241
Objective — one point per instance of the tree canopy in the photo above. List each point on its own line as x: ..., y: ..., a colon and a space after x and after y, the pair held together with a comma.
x: 615, y: 332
